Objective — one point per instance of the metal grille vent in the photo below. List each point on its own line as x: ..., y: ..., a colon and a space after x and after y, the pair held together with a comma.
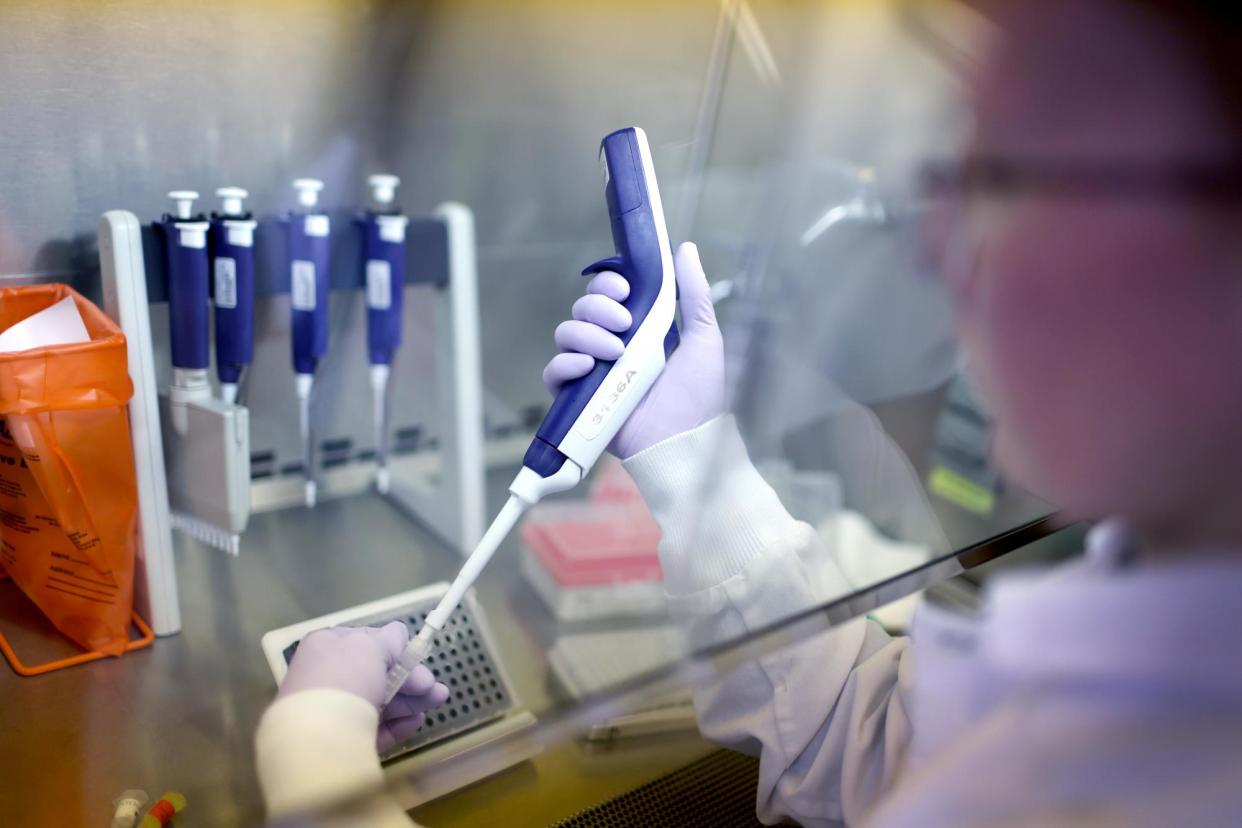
x: 460, y: 659
x: 718, y: 790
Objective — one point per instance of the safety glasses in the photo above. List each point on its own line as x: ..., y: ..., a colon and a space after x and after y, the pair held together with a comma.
x: 998, y: 177
x: 964, y: 202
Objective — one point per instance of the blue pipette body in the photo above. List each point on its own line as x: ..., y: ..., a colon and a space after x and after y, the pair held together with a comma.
x: 383, y: 262
x: 232, y: 272
x: 310, y: 256
x: 383, y: 246
x: 185, y: 251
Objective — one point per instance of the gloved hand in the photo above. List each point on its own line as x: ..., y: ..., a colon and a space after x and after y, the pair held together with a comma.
x: 689, y: 392
x: 356, y: 660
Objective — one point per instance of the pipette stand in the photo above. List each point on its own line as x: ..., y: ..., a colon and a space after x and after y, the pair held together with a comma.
x: 125, y: 301
x: 447, y: 494
x: 441, y: 485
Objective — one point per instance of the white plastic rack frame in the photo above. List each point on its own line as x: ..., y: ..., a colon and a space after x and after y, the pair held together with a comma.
x: 443, y: 488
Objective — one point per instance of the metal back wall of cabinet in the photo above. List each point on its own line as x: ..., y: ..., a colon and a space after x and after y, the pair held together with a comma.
x: 497, y: 105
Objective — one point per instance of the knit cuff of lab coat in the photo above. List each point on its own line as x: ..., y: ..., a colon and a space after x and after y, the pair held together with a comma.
x: 313, y: 746
x: 716, y: 513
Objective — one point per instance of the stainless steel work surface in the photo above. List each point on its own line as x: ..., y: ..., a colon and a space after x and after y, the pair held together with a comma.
x: 181, y: 715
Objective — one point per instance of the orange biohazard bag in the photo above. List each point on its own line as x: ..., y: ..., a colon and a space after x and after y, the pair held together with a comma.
x: 68, y: 490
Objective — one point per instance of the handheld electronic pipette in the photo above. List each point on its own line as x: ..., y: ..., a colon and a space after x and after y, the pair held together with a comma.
x: 309, y: 260
x: 383, y: 252
x: 588, y: 412
x: 232, y: 267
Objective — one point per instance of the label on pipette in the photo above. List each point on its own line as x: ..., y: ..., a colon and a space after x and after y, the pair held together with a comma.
x: 379, y: 284
x: 226, y: 282
x: 591, y: 426
x: 302, y: 285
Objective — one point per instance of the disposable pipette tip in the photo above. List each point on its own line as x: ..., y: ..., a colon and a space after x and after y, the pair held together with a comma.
x: 228, y: 392
x: 310, y: 492
x: 420, y: 645
x: 416, y: 651
x: 383, y: 480
x: 207, y: 533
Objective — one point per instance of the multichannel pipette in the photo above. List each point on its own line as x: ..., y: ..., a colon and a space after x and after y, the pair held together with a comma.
x: 588, y: 412
x: 383, y: 229
x: 206, y: 442
x: 232, y: 267
x: 309, y: 260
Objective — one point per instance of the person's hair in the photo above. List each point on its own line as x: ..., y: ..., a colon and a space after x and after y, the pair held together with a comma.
x: 1213, y: 31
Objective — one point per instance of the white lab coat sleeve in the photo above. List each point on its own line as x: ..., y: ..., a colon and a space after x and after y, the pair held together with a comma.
x: 827, y: 717
x: 316, y: 745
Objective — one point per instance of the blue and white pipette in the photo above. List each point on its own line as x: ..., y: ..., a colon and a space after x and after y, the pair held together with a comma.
x: 309, y: 260
x: 588, y: 412
x: 206, y: 442
x: 383, y: 251
x: 185, y: 236
x: 232, y: 268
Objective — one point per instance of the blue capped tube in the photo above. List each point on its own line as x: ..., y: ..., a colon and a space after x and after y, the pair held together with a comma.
x: 309, y: 259
x: 383, y: 252
x: 232, y: 271
x: 185, y: 250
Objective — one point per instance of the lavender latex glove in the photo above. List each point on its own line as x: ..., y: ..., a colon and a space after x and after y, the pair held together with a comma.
x: 356, y: 660
x: 689, y: 392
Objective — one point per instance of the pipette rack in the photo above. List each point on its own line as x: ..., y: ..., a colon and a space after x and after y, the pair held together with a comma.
x: 441, y: 485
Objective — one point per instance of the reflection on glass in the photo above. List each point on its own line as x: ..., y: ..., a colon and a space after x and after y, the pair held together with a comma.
x: 842, y: 464
x: 852, y: 466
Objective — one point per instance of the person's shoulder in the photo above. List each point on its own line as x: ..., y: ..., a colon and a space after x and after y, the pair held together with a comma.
x: 1061, y: 758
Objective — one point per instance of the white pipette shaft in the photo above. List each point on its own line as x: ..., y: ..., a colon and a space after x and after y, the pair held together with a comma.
x: 379, y: 417
x: 305, y: 382
x: 420, y: 645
